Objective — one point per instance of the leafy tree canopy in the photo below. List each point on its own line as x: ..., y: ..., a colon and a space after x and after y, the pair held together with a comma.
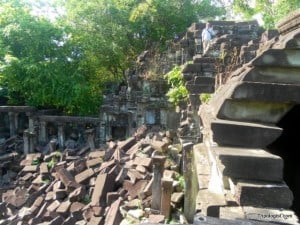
x: 64, y: 63
x: 39, y: 66
x: 271, y: 11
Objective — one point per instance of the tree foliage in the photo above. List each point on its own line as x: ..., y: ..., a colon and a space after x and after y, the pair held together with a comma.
x: 38, y: 66
x: 271, y: 11
x: 65, y: 63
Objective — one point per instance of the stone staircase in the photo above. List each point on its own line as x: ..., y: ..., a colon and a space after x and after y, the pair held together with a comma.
x: 246, y: 180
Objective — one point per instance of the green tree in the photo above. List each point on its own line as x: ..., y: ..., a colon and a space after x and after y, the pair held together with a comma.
x: 271, y: 11
x: 40, y: 66
x: 115, y: 31
x: 64, y: 63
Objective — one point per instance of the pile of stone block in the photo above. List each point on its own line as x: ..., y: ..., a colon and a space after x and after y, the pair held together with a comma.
x: 110, y: 185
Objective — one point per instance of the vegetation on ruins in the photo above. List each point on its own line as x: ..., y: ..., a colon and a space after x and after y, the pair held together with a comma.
x: 64, y: 60
x: 177, y: 93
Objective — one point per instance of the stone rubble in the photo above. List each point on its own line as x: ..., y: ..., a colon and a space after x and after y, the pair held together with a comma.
x: 109, y: 185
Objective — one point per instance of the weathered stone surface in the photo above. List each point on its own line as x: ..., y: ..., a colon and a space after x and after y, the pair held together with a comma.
x: 248, y: 135
x: 104, y: 184
x: 126, y: 145
x: 93, y: 162
x: 200, y: 88
x: 113, y: 215
x: 278, y: 57
x: 209, y: 203
x: 159, y: 146
x: 269, y: 195
x: 141, y: 161
x: 192, y: 68
x: 84, y: 176
x: 253, y: 111
x: 269, y: 92
x: 243, y: 163
x: 67, y: 178
x: 232, y: 213
x: 63, y: 208
x: 134, y: 189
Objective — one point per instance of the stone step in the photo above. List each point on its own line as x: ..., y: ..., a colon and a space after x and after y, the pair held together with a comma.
x: 252, y: 164
x: 251, y: 135
x: 278, y: 216
x: 278, y: 58
x: 192, y: 68
x: 200, y: 88
x: 268, y: 92
x: 262, y: 194
x: 199, y: 59
x: 205, y: 80
x: 209, y: 203
x: 283, y: 75
x: 253, y: 111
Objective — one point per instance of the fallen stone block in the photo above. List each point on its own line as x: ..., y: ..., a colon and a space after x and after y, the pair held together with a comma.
x: 30, y: 169
x: 104, y: 184
x: 98, y: 153
x: 63, y: 208
x: 160, y: 146
x: 127, y: 144
x: 76, y: 210
x: 94, y: 162
x: 53, y: 206
x: 77, y: 195
x: 84, y: 176
x: 135, y: 189
x: 113, y: 215
x: 67, y: 179
x: 37, y: 204
x: 146, y: 162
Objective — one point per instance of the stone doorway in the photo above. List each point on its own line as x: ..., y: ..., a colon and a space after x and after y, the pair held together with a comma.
x: 288, y: 147
x: 118, y: 133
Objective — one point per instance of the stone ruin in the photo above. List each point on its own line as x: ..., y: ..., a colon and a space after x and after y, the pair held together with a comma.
x: 125, y: 165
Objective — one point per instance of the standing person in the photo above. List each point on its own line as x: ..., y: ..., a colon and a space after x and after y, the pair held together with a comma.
x: 207, y: 35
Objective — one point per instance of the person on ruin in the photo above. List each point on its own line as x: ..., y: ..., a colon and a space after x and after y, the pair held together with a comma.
x: 207, y: 35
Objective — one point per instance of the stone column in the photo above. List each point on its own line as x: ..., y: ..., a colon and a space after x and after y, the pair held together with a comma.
x: 17, y: 122
x: 53, y: 145
x: 166, y: 193
x: 97, y: 133
x: 32, y: 141
x: 190, y: 181
x: 61, y: 135
x: 30, y: 121
x: 43, y: 132
x: 158, y: 169
x: 12, y: 125
x: 91, y: 138
x: 26, y: 141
